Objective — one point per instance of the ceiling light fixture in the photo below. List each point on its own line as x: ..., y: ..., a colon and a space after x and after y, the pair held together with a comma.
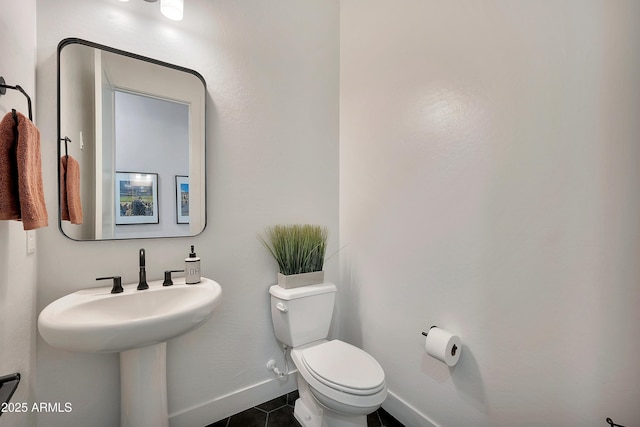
x: 172, y: 9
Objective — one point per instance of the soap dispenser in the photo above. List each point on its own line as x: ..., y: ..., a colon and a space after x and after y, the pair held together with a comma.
x: 192, y: 268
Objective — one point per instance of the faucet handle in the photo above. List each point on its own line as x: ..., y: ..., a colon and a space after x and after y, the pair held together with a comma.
x: 167, y: 277
x: 117, y: 283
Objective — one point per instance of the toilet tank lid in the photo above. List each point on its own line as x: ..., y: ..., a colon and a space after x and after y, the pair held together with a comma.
x: 301, y: 292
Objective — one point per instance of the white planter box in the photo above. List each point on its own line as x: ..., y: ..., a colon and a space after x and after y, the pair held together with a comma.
x: 303, y: 279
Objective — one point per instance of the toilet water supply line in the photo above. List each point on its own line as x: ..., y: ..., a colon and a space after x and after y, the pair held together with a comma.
x: 271, y: 365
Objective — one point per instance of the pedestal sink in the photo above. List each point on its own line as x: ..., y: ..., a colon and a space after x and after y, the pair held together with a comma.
x: 137, y: 324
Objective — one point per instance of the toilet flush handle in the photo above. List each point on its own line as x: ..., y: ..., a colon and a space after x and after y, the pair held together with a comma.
x: 283, y: 308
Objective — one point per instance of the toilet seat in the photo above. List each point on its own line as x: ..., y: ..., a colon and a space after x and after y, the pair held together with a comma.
x: 344, y: 367
x: 324, y: 371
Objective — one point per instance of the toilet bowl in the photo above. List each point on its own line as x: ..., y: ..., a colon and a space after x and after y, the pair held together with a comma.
x: 339, y: 384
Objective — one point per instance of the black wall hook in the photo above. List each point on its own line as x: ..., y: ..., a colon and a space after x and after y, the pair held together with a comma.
x: 66, y: 145
x: 3, y: 90
x: 612, y: 424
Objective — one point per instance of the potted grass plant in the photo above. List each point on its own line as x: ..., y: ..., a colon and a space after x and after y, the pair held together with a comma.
x: 299, y: 250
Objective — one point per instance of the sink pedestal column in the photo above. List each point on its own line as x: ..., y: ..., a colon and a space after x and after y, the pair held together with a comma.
x: 143, y: 387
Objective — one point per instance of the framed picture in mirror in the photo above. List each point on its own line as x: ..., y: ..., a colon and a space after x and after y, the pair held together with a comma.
x: 136, y: 198
x: 182, y: 199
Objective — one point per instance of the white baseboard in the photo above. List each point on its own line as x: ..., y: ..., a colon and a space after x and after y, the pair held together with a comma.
x: 237, y: 401
x: 405, y: 413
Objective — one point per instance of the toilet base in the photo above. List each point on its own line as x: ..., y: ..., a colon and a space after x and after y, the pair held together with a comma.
x: 304, y: 416
x: 307, y: 419
x: 310, y: 413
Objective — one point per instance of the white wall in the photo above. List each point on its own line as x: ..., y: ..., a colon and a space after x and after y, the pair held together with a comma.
x: 17, y: 269
x: 488, y: 184
x: 272, y: 154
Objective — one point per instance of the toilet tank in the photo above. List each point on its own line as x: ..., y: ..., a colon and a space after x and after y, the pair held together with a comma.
x: 302, y: 315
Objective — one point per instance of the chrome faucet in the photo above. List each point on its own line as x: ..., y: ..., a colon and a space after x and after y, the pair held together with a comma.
x: 142, y: 284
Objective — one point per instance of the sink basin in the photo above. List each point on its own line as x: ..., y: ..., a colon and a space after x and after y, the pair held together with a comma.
x: 97, y: 321
x: 136, y: 324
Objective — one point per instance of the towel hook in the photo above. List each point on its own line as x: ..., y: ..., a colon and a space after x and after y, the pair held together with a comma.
x: 3, y: 90
x: 611, y: 423
x: 66, y: 147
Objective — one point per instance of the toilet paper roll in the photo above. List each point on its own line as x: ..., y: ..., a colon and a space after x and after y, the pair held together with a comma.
x: 443, y: 345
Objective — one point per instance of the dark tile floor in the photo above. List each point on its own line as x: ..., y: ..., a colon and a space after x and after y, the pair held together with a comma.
x: 279, y: 413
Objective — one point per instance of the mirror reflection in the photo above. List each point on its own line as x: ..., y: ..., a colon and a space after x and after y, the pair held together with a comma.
x: 132, y: 145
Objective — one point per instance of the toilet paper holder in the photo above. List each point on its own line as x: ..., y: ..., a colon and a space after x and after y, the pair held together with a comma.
x: 427, y: 333
x: 454, y: 349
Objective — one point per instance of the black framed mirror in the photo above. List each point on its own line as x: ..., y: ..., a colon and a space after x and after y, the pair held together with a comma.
x: 131, y: 145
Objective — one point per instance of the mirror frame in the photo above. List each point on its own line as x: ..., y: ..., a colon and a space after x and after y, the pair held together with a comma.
x: 74, y: 40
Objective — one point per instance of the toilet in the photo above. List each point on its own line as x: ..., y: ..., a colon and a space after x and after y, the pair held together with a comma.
x: 339, y: 384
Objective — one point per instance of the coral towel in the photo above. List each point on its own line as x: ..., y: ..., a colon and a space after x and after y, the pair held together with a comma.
x: 70, y: 203
x: 21, y: 189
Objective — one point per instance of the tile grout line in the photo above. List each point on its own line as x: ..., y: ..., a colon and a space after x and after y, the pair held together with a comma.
x: 268, y: 413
